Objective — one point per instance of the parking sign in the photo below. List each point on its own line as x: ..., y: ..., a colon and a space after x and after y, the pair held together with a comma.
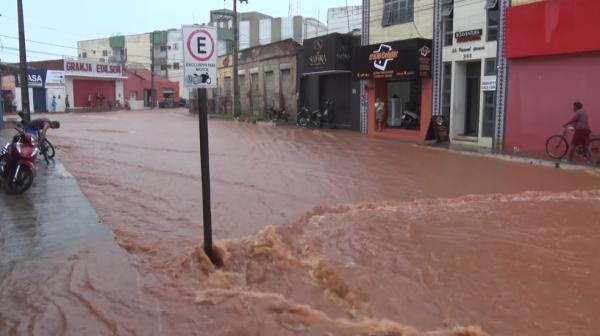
x: 200, y: 56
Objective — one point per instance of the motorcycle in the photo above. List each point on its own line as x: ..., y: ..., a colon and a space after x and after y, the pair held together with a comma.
x: 410, y: 120
x: 277, y: 114
x: 17, y: 163
x: 315, y: 118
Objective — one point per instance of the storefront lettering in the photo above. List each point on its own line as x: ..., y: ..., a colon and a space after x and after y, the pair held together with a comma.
x: 77, y: 66
x: 318, y: 59
x: 469, y: 35
x: 105, y: 68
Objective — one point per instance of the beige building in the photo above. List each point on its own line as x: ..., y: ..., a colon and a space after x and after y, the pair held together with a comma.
x: 400, y: 20
x: 267, y: 78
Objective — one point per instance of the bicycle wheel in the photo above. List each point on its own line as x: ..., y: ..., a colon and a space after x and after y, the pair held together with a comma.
x: 49, y: 148
x: 594, y: 148
x: 557, y: 147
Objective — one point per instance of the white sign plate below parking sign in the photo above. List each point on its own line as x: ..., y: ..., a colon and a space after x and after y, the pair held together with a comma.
x: 200, y: 56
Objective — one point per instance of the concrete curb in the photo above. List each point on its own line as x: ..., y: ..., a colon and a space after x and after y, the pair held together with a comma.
x: 517, y: 159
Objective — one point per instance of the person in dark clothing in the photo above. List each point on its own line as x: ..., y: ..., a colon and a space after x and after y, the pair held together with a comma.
x: 582, y: 130
x: 40, y: 126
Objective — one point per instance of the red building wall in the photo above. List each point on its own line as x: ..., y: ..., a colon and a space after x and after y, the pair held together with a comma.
x: 541, y: 92
x: 141, y: 81
x: 553, y: 27
x: 82, y: 88
x: 554, y: 52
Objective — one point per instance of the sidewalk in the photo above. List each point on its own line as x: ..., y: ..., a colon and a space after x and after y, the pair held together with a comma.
x: 61, y: 271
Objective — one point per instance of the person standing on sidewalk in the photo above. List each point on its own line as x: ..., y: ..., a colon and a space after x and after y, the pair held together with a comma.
x: 67, y: 103
x: 379, y: 113
x: 53, y: 104
x: 582, y: 133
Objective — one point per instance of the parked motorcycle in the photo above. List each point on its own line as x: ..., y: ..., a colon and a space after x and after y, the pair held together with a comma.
x: 410, y: 120
x: 277, y: 114
x: 17, y: 163
x: 315, y: 118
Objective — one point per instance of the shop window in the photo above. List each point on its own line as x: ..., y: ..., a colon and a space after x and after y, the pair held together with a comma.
x: 176, y: 66
x: 490, y: 67
x: 448, y: 22
x: 489, y: 113
x: 446, y: 88
x: 133, y: 95
x: 493, y: 19
x: 397, y: 12
x: 84, y: 54
x: 404, y: 104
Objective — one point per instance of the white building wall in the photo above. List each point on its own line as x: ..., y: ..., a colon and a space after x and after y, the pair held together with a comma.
x: 467, y: 16
x: 92, y: 49
x: 338, y: 19
x: 60, y: 94
x: 312, y: 28
x: 287, y: 28
x: 20, y: 102
x: 175, y: 58
x: 244, y: 34
x: 264, y: 31
x: 138, y: 49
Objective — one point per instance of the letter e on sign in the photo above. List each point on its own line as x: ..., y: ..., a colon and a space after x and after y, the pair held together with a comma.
x: 204, y: 46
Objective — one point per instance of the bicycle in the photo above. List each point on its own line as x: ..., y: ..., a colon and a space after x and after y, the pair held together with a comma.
x: 557, y: 147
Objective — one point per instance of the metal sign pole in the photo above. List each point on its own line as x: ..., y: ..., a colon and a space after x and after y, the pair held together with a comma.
x: 205, y: 171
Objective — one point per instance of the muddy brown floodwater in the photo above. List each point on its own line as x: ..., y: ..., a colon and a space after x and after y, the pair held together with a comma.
x: 335, y: 233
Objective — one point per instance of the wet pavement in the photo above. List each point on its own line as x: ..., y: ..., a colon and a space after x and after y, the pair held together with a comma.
x: 57, y: 263
x: 332, y: 232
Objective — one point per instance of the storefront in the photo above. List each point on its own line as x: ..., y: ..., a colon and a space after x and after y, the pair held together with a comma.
x: 469, y: 66
x: 551, y: 66
x: 93, y: 85
x: 37, y: 91
x: 398, y: 73
x: 138, y: 88
x: 326, y: 76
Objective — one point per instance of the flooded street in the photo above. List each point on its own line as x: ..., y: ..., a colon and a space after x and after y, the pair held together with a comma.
x: 333, y: 233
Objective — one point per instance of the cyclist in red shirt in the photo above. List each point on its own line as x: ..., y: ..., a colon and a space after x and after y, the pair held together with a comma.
x: 582, y: 130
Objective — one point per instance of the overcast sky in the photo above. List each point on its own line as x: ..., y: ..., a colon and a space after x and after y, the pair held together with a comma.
x: 64, y: 22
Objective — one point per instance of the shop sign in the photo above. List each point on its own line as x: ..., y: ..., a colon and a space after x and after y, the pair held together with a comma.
x: 471, y: 52
x: 327, y: 53
x: 468, y: 35
x: 399, y: 59
x: 35, y: 78
x: 75, y: 68
x: 488, y: 83
x: 55, y: 79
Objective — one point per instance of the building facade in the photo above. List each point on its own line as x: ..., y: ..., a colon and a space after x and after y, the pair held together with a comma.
x: 344, y: 19
x: 93, y: 85
x: 554, y: 54
x: 395, y: 68
x: 267, y: 78
x: 470, y: 70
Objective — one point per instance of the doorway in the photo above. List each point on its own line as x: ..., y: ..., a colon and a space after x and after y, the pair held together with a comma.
x: 473, y: 88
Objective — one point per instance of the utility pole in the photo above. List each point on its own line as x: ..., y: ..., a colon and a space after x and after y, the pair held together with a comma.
x: 23, y: 65
x: 234, y: 57
x: 152, y: 71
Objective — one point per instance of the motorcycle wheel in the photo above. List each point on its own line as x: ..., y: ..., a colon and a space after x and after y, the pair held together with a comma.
x: 303, y: 122
x: 24, y: 182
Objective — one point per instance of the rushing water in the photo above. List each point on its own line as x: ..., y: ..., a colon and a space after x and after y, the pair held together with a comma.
x: 334, y: 233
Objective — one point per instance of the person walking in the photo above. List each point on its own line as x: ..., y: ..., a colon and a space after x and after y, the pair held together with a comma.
x: 582, y: 133
x: 67, y: 103
x: 53, y: 104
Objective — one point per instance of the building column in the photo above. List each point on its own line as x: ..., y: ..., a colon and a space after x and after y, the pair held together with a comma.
x: 364, y: 101
x: 436, y: 73
x: 501, y: 80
